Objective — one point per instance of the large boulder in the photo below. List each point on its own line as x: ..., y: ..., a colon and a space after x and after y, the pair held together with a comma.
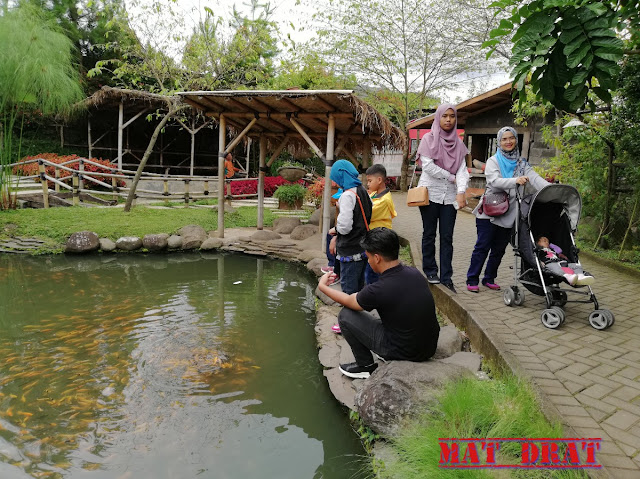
x: 129, y: 243
x: 466, y: 359
x: 449, y: 342
x: 174, y: 242
x: 303, y: 232
x: 314, y: 219
x: 82, y: 242
x: 155, y: 242
x: 315, y: 264
x: 399, y: 389
x: 211, y: 243
x: 285, y: 225
x: 192, y: 236
x: 265, y: 235
x: 107, y: 245
x: 310, y: 254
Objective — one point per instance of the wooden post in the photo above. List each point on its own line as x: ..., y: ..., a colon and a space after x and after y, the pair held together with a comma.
x: 326, y: 196
x: 57, y: 175
x: 43, y: 182
x: 193, y: 145
x: 114, y: 187
x: 221, y: 147
x: 62, y: 136
x: 186, y: 192
x: 366, y: 158
x: 75, y: 182
x: 526, y: 140
x: 81, y: 172
x: 228, y: 195
x: 206, y: 187
x: 165, y: 191
x: 120, y: 129
x: 89, y: 138
x: 262, y: 163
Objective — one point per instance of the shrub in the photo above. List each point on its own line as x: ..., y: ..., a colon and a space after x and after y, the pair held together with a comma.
x: 291, y: 193
x: 316, y: 190
x: 250, y: 187
x: 32, y: 169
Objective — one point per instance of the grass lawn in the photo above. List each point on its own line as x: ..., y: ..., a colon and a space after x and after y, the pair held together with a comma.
x: 500, y: 408
x: 54, y: 225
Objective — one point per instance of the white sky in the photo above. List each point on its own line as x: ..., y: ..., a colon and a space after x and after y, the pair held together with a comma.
x: 292, y: 17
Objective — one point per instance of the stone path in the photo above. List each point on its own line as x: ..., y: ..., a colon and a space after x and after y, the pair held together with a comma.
x: 591, y: 378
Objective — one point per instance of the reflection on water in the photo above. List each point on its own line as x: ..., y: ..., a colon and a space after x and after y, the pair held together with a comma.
x: 164, y: 366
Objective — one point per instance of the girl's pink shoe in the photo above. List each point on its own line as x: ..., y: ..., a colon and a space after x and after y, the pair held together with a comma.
x: 492, y: 286
x: 336, y: 329
x: 474, y: 288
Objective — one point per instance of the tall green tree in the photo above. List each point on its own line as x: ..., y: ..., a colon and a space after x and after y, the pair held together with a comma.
x: 411, y: 48
x: 36, y: 74
x: 92, y: 26
x: 568, y: 49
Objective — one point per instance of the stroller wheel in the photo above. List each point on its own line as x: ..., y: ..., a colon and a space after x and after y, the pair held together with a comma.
x: 552, y: 318
x: 509, y: 297
x: 598, y: 319
x: 611, y: 319
x: 519, y: 300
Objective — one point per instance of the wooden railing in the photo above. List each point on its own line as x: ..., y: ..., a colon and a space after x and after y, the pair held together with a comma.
x: 78, y: 177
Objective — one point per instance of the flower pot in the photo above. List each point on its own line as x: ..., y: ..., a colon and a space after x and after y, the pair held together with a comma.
x: 291, y: 173
x: 285, y: 205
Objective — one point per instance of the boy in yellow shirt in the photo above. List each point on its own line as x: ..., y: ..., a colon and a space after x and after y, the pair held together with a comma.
x: 383, y: 208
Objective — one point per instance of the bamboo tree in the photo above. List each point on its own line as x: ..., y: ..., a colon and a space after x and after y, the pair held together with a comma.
x: 36, y: 74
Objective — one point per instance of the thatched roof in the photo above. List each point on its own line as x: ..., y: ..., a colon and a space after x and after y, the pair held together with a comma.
x: 354, y: 118
x: 108, y: 97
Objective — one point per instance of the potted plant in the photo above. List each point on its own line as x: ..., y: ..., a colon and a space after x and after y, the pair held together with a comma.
x: 290, y: 197
x: 292, y: 171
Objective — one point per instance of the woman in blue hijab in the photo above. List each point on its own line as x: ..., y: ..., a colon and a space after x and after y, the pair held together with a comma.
x: 504, y: 171
x: 351, y: 225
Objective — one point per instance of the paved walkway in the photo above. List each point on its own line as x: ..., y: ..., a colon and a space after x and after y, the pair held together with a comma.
x: 591, y: 377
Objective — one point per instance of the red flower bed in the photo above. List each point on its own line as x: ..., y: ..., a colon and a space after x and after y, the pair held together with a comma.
x: 250, y: 187
x: 32, y: 169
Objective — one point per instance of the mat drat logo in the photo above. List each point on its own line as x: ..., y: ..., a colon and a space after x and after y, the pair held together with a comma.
x: 535, y: 453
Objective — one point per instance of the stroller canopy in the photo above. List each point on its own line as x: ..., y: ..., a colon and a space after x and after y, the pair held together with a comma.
x: 565, y: 195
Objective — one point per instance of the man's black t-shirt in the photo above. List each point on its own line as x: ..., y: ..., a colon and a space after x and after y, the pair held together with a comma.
x: 403, y: 299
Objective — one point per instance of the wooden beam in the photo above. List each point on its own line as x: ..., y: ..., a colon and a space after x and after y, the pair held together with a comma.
x: 279, y: 148
x: 263, y: 157
x: 222, y: 139
x: 326, y: 194
x: 135, y: 117
x: 329, y: 107
x: 279, y: 115
x: 486, y: 108
x: 343, y: 139
x: 120, y: 128
x: 238, y: 138
x: 351, y: 157
x: 89, y: 136
x: 313, y: 146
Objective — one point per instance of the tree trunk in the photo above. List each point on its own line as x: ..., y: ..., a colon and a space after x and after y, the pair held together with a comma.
x: 404, y: 170
x: 610, y: 187
x: 152, y: 142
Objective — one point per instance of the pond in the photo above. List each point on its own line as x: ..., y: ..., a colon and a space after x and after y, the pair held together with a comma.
x: 165, y: 366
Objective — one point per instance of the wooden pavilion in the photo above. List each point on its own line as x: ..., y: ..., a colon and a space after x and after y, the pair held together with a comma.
x: 329, y: 122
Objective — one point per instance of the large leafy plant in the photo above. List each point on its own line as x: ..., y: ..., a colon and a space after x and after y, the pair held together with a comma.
x: 567, y: 49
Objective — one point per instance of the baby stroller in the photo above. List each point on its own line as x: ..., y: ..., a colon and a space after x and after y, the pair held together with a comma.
x: 554, y: 212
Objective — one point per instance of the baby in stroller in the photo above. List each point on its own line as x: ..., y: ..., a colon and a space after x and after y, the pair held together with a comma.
x: 555, y: 263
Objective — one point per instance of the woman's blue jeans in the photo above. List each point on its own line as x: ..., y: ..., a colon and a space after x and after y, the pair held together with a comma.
x: 492, y: 241
x: 445, y: 215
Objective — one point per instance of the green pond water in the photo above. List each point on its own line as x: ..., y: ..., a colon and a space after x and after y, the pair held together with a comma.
x: 165, y: 366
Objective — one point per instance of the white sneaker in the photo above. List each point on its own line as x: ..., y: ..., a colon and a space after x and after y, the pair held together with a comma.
x: 584, y: 280
x: 571, y: 279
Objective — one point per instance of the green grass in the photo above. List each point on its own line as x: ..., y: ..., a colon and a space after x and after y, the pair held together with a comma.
x: 405, y: 255
x: 54, y: 225
x: 504, y: 407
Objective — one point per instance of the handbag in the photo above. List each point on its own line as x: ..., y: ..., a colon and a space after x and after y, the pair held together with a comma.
x: 418, y: 196
x: 494, y: 204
